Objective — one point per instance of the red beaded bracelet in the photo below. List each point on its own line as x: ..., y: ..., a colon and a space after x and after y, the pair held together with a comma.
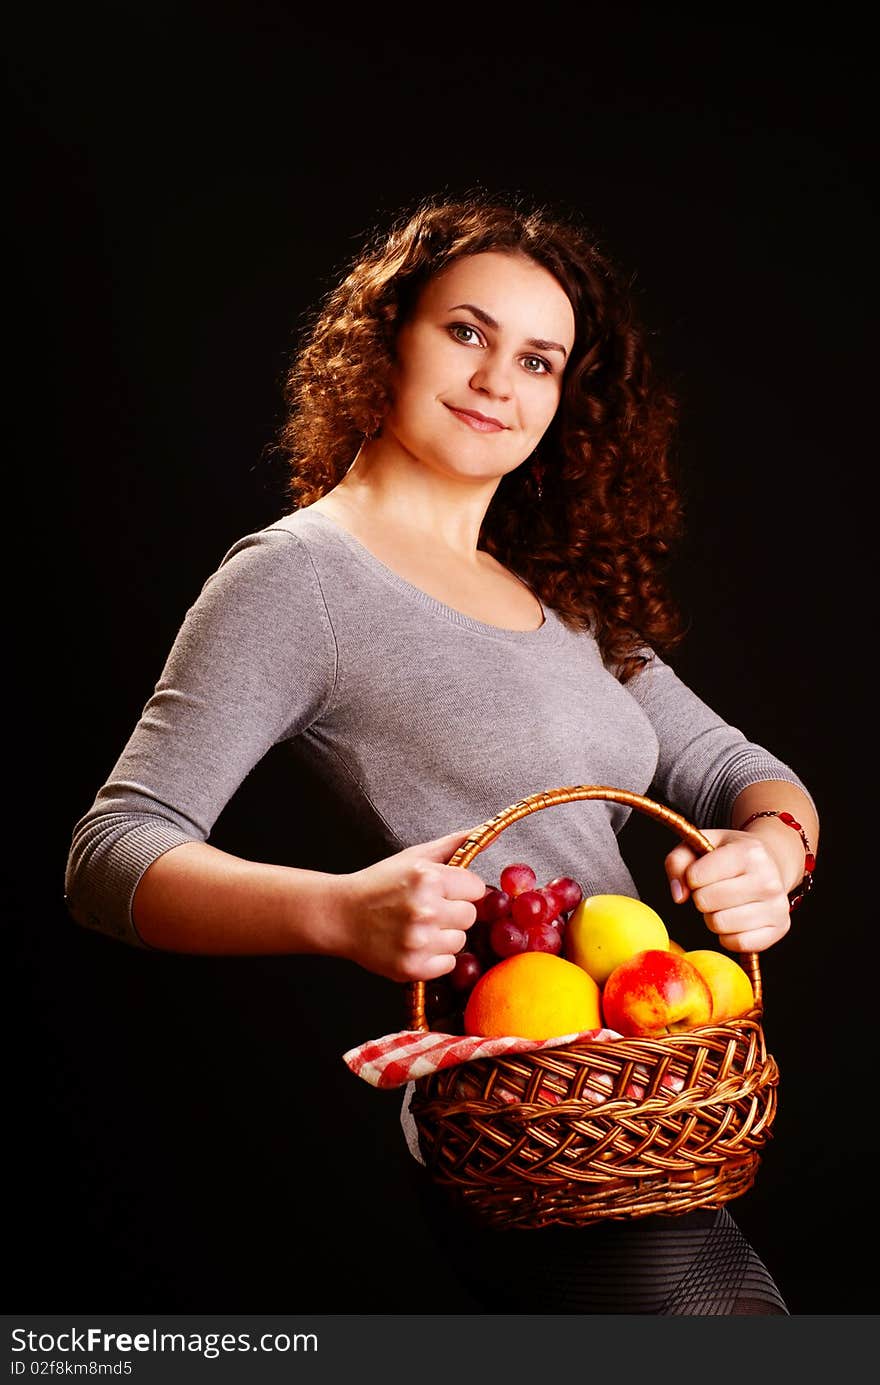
x: 797, y: 894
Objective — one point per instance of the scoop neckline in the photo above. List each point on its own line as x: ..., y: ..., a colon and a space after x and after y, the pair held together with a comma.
x: 367, y: 557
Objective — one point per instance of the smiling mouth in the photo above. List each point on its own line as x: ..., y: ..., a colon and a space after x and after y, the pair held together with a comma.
x: 481, y: 423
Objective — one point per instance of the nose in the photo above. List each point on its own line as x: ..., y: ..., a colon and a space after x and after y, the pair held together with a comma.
x: 492, y: 377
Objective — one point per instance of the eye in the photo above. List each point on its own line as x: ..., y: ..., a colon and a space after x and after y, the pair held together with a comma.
x: 459, y: 331
x: 536, y: 365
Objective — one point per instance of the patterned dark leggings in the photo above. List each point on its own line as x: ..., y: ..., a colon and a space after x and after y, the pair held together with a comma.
x: 697, y: 1264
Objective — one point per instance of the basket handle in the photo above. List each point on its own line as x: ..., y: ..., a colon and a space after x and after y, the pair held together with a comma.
x: 487, y: 832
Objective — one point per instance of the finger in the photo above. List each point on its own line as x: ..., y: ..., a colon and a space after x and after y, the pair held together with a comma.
x: 754, y: 939
x: 456, y: 914
x: 746, y: 918
x: 736, y: 857
x: 725, y: 863
x: 440, y: 848
x: 434, y: 967
x: 677, y: 863
x: 451, y: 942
x: 436, y: 955
x: 462, y: 884
x: 732, y: 893
x: 710, y: 880
x: 741, y: 892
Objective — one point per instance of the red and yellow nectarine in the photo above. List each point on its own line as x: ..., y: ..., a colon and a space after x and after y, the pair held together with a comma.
x: 656, y: 992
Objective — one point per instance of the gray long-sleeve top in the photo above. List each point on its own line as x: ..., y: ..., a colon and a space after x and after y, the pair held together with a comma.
x: 420, y: 720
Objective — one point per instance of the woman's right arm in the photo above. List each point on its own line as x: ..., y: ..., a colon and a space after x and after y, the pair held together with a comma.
x: 404, y: 917
x: 253, y: 663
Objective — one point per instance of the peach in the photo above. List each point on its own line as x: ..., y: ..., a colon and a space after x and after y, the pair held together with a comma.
x: 732, y: 993
x: 656, y: 992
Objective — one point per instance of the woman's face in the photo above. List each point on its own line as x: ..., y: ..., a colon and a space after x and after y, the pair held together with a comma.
x: 480, y: 363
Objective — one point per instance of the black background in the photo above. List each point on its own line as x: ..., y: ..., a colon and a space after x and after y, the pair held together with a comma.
x: 188, y: 179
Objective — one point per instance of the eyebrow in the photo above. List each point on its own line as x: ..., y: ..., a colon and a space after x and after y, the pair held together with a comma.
x: 482, y: 316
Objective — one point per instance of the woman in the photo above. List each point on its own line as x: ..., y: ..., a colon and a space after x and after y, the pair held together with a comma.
x: 464, y: 606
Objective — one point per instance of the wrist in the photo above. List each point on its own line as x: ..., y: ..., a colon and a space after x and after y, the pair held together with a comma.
x: 317, y: 914
x: 785, y: 839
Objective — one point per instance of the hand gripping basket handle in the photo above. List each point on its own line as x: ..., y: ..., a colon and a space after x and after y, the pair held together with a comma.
x: 485, y: 834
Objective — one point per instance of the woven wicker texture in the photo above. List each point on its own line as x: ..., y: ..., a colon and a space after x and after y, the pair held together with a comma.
x: 620, y: 1128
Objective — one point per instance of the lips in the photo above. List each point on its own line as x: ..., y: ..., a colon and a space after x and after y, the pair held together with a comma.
x: 481, y: 423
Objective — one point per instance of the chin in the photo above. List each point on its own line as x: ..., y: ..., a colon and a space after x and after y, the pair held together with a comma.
x: 455, y: 452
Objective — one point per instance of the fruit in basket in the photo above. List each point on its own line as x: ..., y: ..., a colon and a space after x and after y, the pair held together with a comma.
x: 479, y: 942
x: 533, y: 906
x: 495, y: 904
x: 507, y: 938
x: 567, y: 893
x: 606, y: 929
x: 732, y: 993
x: 515, y: 917
x: 655, y: 992
x: 516, y: 878
x: 533, y: 995
x: 466, y: 970
x: 543, y: 937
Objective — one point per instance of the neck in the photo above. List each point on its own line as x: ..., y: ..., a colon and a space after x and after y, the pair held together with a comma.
x: 393, y: 489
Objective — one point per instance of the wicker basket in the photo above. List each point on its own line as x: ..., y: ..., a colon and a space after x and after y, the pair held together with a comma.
x: 517, y: 1142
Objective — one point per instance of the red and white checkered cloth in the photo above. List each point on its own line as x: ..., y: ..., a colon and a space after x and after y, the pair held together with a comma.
x: 399, y: 1058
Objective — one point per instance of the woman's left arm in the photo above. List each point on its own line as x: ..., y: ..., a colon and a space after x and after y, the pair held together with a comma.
x: 718, y: 779
x: 742, y: 887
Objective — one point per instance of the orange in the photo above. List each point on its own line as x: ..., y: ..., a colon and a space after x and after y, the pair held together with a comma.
x: 533, y: 995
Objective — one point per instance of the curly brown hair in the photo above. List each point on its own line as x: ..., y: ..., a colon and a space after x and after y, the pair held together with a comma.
x: 594, y: 545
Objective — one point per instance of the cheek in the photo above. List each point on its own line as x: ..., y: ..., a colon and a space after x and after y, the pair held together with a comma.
x: 423, y: 358
x: 412, y: 399
x: 412, y: 416
x: 543, y: 410
x: 416, y: 381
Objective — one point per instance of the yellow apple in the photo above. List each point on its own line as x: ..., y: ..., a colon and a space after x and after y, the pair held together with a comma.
x: 655, y: 992
x: 605, y: 929
x: 732, y: 994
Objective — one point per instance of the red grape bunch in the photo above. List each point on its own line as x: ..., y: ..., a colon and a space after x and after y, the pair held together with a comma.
x: 517, y: 915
